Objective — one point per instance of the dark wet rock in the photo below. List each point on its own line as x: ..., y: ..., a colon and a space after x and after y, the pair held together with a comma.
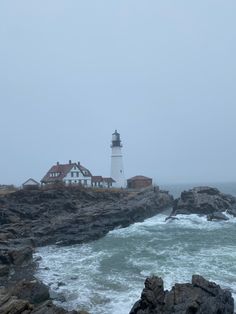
x: 199, y: 297
x: 10, y: 304
x: 217, y: 216
x: 232, y: 210
x: 21, y: 255
x: 171, y: 218
x: 204, y: 201
x: 4, y: 270
x: 15, y: 306
x: 4, y: 256
x: 69, y: 216
x: 33, y: 291
x: 49, y: 308
x: 61, y: 284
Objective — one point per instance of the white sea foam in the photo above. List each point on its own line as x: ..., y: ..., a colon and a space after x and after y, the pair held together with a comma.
x: 107, y: 276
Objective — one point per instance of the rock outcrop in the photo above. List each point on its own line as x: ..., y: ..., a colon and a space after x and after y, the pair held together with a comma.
x: 205, y: 201
x: 72, y: 215
x: 199, y: 297
x: 11, y: 304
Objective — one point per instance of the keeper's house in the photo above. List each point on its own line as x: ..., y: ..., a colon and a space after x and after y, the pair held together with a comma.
x: 76, y: 174
x: 71, y: 173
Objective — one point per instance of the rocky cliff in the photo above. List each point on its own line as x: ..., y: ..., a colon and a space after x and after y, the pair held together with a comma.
x: 61, y: 216
x: 68, y: 216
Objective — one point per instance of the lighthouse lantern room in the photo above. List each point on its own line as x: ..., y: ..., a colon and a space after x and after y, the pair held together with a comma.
x: 117, y: 168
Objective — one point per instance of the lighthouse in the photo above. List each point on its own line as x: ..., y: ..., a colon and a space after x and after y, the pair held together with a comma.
x: 117, y: 168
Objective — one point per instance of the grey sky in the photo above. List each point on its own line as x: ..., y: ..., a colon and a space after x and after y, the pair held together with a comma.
x: 162, y: 72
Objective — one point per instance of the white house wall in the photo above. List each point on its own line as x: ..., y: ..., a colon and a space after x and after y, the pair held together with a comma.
x: 76, y: 180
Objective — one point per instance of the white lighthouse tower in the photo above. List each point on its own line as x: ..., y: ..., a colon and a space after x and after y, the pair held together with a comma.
x: 117, y: 168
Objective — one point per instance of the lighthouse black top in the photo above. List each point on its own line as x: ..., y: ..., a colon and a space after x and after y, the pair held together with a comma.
x: 116, y: 141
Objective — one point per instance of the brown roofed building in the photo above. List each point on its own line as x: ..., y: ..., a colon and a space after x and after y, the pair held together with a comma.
x: 108, y: 182
x: 99, y: 181
x: 71, y: 173
x: 139, y: 182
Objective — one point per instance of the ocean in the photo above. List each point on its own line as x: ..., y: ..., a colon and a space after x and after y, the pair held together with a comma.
x: 107, y: 276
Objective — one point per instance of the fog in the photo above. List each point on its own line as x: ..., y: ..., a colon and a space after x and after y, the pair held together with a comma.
x: 163, y: 73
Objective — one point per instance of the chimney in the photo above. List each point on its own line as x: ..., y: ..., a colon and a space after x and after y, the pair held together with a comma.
x: 58, y: 163
x: 70, y: 162
x: 78, y: 163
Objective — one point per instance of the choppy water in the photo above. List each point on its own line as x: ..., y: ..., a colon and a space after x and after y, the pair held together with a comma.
x: 107, y: 276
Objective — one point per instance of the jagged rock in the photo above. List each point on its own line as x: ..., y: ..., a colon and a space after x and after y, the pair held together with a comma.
x: 4, y: 257
x: 68, y: 215
x: 171, y: 218
x: 217, y: 216
x: 10, y: 304
x: 204, y: 201
x: 15, y: 306
x: 49, y: 308
x: 4, y: 270
x: 232, y: 210
x: 199, y: 297
x: 33, y: 291
x: 21, y: 255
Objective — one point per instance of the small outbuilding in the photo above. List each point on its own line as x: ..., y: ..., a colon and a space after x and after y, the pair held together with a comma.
x: 139, y: 182
x: 97, y: 181
x: 108, y: 182
x: 31, y: 184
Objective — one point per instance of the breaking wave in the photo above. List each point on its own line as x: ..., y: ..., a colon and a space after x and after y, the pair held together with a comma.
x: 107, y: 276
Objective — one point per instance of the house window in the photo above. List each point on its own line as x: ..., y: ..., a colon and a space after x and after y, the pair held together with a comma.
x: 77, y: 173
x: 72, y: 174
x: 85, y: 182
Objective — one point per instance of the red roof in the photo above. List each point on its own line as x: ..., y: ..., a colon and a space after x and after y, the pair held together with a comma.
x: 84, y: 170
x: 62, y: 170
